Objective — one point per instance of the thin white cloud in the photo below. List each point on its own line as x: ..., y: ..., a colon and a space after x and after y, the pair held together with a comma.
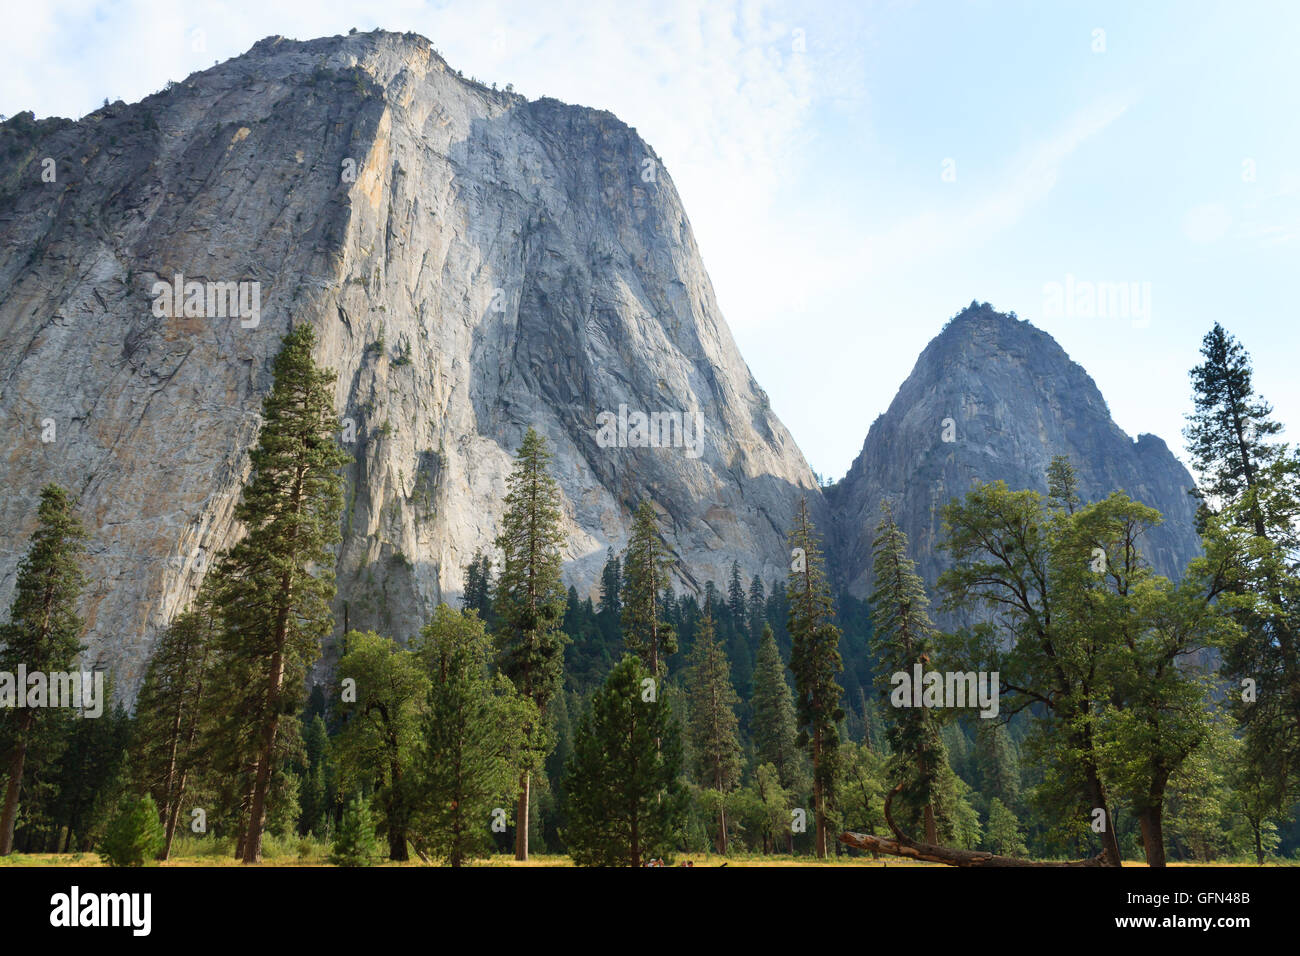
x: 721, y: 90
x: 836, y: 261
x: 1029, y: 179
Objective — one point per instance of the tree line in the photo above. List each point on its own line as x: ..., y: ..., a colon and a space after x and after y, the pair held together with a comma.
x: 1139, y: 716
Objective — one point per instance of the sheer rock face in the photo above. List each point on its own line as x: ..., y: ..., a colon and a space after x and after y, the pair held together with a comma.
x: 1014, y: 399
x: 473, y: 264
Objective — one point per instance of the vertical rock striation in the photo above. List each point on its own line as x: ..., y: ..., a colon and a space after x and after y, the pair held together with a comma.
x: 474, y: 264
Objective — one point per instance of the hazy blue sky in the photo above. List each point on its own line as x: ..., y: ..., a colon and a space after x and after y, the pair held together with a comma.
x: 810, y: 144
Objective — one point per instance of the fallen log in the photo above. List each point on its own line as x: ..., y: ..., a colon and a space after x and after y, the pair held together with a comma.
x: 946, y: 855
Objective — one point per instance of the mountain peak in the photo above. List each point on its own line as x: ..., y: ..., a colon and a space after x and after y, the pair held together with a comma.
x: 993, y: 398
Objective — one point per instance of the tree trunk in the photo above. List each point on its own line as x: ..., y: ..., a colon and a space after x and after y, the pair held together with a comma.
x: 1153, y: 841
x: 819, y: 811
x: 521, y: 819
x: 171, y: 801
x: 397, y: 810
x: 397, y: 844
x: 172, y: 817
x: 458, y: 839
x: 262, y: 782
x: 1109, y: 843
x: 190, y: 734
x: 931, y: 829
x: 16, y: 763
x: 950, y: 857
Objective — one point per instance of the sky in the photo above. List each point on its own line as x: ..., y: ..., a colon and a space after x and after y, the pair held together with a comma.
x: 856, y: 172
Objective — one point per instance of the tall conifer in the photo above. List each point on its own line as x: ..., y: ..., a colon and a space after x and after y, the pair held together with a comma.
x: 275, y: 586
x: 1250, y: 486
x: 43, y: 635
x: 646, y: 632
x: 530, y: 600
x: 772, y: 724
x: 626, y: 802
x: 814, y: 661
x: 169, y: 708
x: 713, y: 725
x: 903, y: 636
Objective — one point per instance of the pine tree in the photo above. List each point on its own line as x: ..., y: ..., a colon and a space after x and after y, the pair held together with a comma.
x: 274, y: 587
x: 562, y: 728
x: 134, y: 836
x: 626, y: 803
x: 772, y: 723
x: 757, y: 610
x: 355, y: 843
x: 530, y: 601
x: 1062, y: 485
x: 778, y: 615
x: 478, y: 587
x: 1250, y: 486
x: 609, y: 608
x: 713, y: 726
x: 91, y: 777
x: 902, y: 637
x: 42, y: 635
x: 319, y: 783
x: 997, y: 763
x: 736, y: 602
x: 1229, y: 433
x: 646, y: 632
x: 1201, y: 820
x: 169, y: 709
x: 814, y: 661
x: 379, y: 740
x: 473, y: 734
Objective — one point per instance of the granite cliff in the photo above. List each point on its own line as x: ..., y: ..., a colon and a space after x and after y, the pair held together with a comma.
x: 474, y: 263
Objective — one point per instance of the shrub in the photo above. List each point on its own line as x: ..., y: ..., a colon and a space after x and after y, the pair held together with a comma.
x: 135, y: 834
